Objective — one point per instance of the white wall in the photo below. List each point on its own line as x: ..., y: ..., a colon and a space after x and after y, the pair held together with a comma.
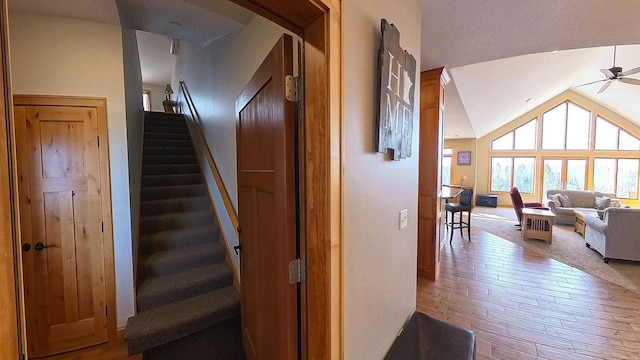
x: 215, y: 75
x: 379, y: 260
x: 134, y: 120
x: 157, y: 96
x: 56, y: 56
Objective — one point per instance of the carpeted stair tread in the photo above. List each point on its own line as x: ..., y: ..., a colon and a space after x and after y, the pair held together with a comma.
x: 173, y: 179
x: 177, y: 238
x: 177, y: 260
x: 167, y: 151
x: 163, y: 290
x: 166, y: 129
x: 154, y: 223
x: 167, y: 136
x: 168, y: 159
x: 167, y: 143
x: 170, y: 169
x: 223, y: 341
x: 164, y: 206
x: 164, y: 122
x: 158, y: 326
x: 167, y: 192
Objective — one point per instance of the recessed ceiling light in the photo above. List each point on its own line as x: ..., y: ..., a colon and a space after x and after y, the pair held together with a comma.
x: 554, y: 51
x: 529, y: 99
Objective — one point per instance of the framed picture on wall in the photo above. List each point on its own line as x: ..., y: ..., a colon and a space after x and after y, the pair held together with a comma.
x: 464, y: 157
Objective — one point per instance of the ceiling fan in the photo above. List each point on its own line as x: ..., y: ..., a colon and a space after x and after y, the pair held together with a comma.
x: 615, y: 73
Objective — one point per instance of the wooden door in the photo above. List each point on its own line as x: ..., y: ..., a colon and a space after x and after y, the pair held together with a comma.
x: 267, y: 209
x: 62, y: 227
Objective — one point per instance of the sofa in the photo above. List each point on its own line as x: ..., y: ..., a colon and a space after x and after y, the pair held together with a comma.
x: 616, y: 235
x: 582, y: 200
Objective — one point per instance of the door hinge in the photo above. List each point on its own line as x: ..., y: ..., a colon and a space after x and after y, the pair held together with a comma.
x: 293, y: 88
x: 297, y: 271
x: 102, y: 223
x: 98, y: 138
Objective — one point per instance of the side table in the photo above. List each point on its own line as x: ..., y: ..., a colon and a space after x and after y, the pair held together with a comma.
x: 537, y: 224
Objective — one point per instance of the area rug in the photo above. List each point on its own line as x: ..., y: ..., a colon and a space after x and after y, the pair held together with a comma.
x: 567, y: 247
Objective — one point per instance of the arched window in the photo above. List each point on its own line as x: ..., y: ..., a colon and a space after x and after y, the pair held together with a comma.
x: 570, y: 146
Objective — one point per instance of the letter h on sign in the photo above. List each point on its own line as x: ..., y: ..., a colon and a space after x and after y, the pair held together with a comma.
x: 397, y: 72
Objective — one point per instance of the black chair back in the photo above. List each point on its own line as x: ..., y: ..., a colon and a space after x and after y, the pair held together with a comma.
x: 466, y: 197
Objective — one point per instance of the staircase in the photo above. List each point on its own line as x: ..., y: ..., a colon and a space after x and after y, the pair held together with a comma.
x: 187, y: 305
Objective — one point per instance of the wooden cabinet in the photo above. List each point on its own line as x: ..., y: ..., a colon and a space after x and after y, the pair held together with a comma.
x: 430, y: 227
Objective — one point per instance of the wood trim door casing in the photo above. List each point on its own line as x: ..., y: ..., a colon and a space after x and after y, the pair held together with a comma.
x: 11, y: 310
x: 429, y: 186
x: 323, y: 156
x: 105, y: 179
x: 318, y: 23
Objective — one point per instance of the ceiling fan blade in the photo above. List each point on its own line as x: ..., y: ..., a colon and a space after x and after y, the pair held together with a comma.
x: 630, y: 72
x: 608, y: 73
x: 604, y: 87
x: 630, y: 81
x: 592, y: 82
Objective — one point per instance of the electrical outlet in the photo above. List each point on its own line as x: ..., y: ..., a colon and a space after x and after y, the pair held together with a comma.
x: 404, y: 218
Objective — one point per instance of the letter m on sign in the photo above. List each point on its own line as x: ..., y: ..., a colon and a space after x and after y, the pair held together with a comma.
x: 397, y: 73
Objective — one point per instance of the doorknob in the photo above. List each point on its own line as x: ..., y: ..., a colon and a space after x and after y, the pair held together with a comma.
x: 39, y: 246
x: 26, y: 247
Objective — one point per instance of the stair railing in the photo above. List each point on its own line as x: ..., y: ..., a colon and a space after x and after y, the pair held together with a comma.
x: 226, y: 199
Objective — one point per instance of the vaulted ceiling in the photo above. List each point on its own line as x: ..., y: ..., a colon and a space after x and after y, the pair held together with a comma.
x: 505, y: 57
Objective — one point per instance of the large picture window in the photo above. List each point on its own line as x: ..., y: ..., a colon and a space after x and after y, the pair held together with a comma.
x: 508, y: 172
x: 571, y: 147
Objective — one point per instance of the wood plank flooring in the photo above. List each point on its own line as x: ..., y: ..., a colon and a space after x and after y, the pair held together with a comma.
x: 522, y: 305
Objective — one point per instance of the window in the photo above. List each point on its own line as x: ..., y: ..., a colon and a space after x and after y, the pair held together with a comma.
x: 146, y: 100
x: 507, y: 172
x: 619, y: 176
x: 446, y: 165
x: 578, y: 149
x: 566, y: 126
x: 611, y: 137
x: 522, y: 138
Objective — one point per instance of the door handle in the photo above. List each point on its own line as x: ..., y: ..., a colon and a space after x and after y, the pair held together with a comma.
x: 39, y: 246
x: 26, y: 247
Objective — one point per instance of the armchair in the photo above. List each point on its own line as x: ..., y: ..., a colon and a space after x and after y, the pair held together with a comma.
x: 615, y: 236
x: 518, y: 204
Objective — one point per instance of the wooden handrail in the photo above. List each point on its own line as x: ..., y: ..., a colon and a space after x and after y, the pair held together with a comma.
x: 233, y: 215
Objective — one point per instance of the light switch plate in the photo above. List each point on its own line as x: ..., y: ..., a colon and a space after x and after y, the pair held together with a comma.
x: 404, y: 218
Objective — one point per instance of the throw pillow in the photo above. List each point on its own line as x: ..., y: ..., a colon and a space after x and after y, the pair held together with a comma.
x: 602, y: 203
x: 555, y: 200
x: 564, y: 200
x: 614, y: 202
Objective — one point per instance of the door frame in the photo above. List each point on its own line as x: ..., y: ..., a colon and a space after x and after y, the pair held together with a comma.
x: 11, y: 312
x: 319, y: 24
x: 105, y: 202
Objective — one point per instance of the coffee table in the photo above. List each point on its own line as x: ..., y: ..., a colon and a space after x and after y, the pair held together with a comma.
x: 578, y: 222
x: 537, y: 224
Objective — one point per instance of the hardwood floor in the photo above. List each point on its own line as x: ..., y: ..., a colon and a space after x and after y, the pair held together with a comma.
x: 114, y: 351
x: 522, y: 305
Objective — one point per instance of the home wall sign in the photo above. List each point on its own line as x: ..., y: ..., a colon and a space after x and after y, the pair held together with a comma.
x: 397, y: 74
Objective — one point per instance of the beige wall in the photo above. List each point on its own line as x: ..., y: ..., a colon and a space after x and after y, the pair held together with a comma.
x: 56, y: 56
x: 458, y: 171
x: 379, y: 259
x: 484, y: 144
